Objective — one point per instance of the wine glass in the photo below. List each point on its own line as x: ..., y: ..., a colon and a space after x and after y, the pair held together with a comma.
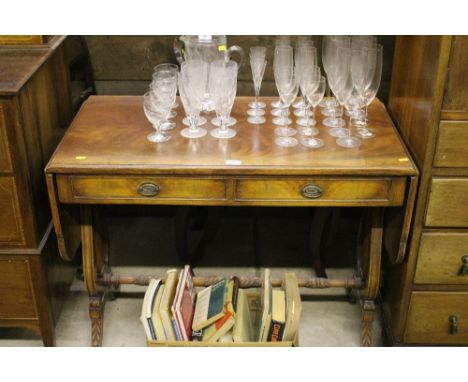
x: 344, y: 98
x: 309, y: 80
x: 370, y: 93
x: 258, y: 65
x: 170, y: 73
x: 156, y: 110
x: 279, y: 41
x: 223, y: 88
x: 283, y: 61
x: 192, y: 86
x: 313, y: 99
x: 305, y: 58
x: 328, y: 103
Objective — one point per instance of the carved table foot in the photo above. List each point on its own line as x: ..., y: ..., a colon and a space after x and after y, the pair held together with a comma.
x: 368, y: 311
x: 96, y: 313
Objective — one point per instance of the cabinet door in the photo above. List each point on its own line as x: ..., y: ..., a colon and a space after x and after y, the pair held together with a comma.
x: 5, y: 160
x: 11, y: 231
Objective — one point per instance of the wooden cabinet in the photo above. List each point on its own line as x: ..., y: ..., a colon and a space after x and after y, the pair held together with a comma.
x: 35, y: 111
x: 429, y: 103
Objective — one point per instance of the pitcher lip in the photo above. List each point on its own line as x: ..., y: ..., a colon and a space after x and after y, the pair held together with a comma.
x: 204, y: 39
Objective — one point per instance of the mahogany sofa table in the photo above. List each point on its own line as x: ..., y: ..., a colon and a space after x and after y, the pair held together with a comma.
x: 105, y: 158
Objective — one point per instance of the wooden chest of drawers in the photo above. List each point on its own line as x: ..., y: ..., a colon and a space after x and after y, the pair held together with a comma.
x: 426, y: 298
x: 35, y: 110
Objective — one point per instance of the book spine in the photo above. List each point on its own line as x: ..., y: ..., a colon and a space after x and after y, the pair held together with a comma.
x: 276, y: 331
x: 176, y: 330
x: 151, y: 328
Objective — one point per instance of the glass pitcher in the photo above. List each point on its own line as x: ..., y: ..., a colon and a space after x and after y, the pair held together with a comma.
x: 207, y: 48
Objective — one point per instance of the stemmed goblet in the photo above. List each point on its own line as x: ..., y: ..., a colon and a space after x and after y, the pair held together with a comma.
x: 192, y: 85
x: 223, y: 88
x: 309, y: 80
x: 170, y: 73
x: 258, y: 65
x: 157, y: 107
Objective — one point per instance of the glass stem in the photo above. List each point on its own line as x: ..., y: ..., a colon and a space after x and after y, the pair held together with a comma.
x: 306, y: 112
x: 257, y: 91
x: 349, y: 125
x: 365, y: 118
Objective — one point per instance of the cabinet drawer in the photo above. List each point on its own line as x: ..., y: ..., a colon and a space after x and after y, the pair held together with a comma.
x: 428, y: 318
x: 337, y: 191
x: 16, y: 295
x: 11, y: 231
x: 452, y: 145
x: 448, y: 198
x: 89, y: 189
x: 440, y: 258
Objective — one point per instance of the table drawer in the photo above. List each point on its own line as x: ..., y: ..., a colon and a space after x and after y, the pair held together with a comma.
x: 16, y: 294
x: 452, y: 148
x: 429, y: 318
x: 336, y: 191
x: 448, y: 198
x: 90, y: 189
x: 441, y: 259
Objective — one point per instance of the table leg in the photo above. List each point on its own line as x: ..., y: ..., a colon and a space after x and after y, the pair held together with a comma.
x: 369, y: 260
x: 321, y: 215
x: 94, y: 264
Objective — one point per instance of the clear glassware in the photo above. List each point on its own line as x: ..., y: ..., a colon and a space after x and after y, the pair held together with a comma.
x: 309, y: 80
x: 283, y: 62
x: 167, y: 72
x: 344, y: 98
x: 370, y: 93
x: 280, y: 41
x: 305, y: 58
x: 223, y: 88
x: 313, y: 98
x: 339, y: 79
x: 258, y: 65
x: 200, y: 121
x: 192, y: 88
x: 155, y: 112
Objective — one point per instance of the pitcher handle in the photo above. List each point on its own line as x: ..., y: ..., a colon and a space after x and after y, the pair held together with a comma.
x: 178, y: 47
x: 238, y: 49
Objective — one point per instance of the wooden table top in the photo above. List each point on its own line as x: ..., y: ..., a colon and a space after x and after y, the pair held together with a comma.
x: 108, y: 136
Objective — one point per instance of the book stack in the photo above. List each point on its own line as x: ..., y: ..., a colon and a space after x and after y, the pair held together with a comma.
x: 176, y: 311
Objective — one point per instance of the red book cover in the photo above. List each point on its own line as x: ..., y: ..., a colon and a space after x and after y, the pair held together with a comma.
x: 186, y: 305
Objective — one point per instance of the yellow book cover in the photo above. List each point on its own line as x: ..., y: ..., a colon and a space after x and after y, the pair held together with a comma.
x: 156, y: 317
x: 293, y: 306
x: 266, y: 307
x: 170, y: 285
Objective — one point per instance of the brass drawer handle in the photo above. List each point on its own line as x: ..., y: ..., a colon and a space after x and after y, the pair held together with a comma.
x: 311, y: 191
x: 148, y: 189
x: 464, y: 268
x: 453, y: 321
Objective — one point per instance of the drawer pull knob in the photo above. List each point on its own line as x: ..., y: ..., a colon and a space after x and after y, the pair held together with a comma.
x: 464, y: 268
x: 148, y: 189
x: 311, y: 191
x: 453, y: 321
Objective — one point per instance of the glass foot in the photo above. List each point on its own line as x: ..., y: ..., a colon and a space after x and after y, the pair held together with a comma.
x: 333, y: 122
x: 223, y: 133
x: 301, y: 113
x: 257, y: 105
x: 256, y: 120
x: 306, y: 122
x: 328, y: 102
x: 193, y: 133
x: 168, y: 125
x: 256, y: 112
x: 277, y: 104
x: 349, y: 142
x: 158, y: 137
x: 313, y: 143
x: 286, y: 141
x: 279, y: 112
x: 298, y: 104
x: 331, y: 112
x: 231, y: 121
x: 280, y: 121
x: 172, y: 114
x: 338, y: 132
x: 201, y: 121
x: 365, y: 133
x: 285, y: 131
x: 308, y: 131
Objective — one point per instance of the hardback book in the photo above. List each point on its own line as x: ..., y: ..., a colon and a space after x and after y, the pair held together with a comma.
x: 166, y: 303
x: 293, y: 307
x: 266, y: 307
x: 210, y: 305
x: 243, y: 330
x: 278, y: 316
x: 147, y: 308
x: 223, y: 325
x: 183, y: 307
x: 156, y: 317
x: 175, y: 321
